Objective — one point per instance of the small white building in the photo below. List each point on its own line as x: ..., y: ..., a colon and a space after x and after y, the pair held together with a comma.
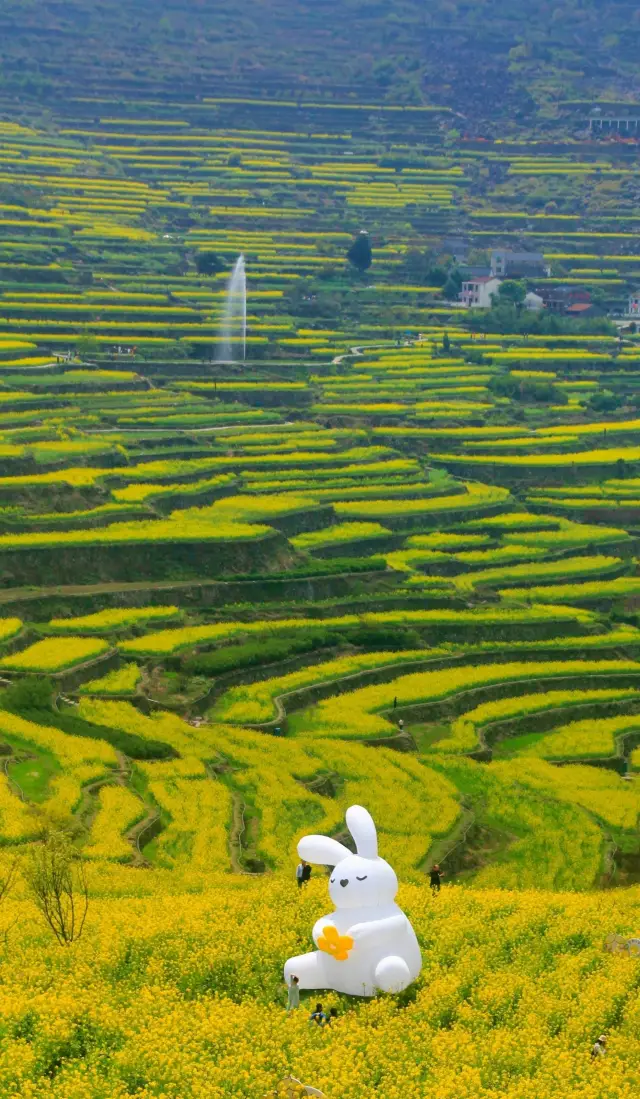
x: 533, y: 302
x: 477, y: 293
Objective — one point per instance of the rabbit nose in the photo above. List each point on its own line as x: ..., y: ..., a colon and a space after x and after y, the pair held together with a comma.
x: 344, y: 881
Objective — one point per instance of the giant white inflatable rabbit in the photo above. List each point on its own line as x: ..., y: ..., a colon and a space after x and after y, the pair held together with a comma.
x: 367, y: 944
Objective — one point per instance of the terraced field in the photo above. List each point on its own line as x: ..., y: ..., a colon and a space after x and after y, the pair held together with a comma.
x: 390, y: 559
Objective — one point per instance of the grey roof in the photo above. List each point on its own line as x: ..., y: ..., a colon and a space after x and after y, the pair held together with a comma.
x: 526, y: 257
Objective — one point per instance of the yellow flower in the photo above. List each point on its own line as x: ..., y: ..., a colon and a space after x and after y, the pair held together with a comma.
x: 336, y: 945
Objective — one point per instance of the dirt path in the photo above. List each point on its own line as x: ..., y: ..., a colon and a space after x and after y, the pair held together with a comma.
x: 145, y: 829
x: 142, y: 833
x: 16, y: 595
x: 88, y: 809
x: 237, y: 832
x: 242, y: 840
x: 13, y: 785
x: 442, y: 848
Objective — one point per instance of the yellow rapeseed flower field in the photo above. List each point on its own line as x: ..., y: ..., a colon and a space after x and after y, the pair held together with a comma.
x: 184, y: 998
x: 53, y: 655
x: 474, y: 684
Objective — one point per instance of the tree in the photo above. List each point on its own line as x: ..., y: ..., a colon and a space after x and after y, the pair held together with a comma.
x: 87, y: 346
x: 416, y: 265
x: 32, y: 692
x: 526, y: 391
x: 604, y: 401
x: 453, y: 285
x: 438, y: 275
x: 359, y: 253
x: 512, y: 291
x: 208, y: 263
x: 478, y: 257
x: 57, y: 882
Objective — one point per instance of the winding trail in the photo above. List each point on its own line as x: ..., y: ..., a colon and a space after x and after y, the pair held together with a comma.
x: 6, y: 760
x: 137, y: 831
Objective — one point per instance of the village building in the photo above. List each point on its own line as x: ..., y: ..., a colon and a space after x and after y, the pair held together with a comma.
x: 533, y: 302
x: 470, y: 271
x: 506, y: 264
x: 456, y: 247
x: 567, y: 301
x: 478, y: 292
x: 624, y: 122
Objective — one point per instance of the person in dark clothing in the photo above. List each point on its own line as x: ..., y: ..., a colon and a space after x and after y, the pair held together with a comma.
x: 435, y: 877
x: 306, y: 872
x: 318, y: 1016
x: 333, y: 1015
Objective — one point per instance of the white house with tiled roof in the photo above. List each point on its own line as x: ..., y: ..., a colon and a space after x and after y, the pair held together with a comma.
x: 477, y: 292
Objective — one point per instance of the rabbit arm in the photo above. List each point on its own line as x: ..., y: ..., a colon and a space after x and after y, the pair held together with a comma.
x: 378, y: 930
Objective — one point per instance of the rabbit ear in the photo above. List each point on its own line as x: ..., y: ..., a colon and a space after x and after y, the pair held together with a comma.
x: 360, y: 824
x: 322, y: 849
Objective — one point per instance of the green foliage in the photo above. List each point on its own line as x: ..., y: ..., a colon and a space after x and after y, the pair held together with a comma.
x: 511, y: 291
x: 507, y: 318
x: 452, y: 286
x: 359, y: 253
x: 604, y: 401
x: 87, y: 347
x: 526, y: 390
x: 32, y: 698
x: 208, y: 263
x: 253, y: 653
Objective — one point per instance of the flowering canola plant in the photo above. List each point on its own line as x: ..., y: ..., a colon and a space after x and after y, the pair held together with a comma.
x: 52, y: 655
x: 497, y: 965
x: 357, y: 714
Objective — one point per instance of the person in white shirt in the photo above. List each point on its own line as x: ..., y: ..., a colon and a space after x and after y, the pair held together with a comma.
x: 293, y: 993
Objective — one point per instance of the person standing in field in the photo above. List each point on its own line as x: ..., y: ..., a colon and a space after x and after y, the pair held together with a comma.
x: 293, y: 993
x: 300, y: 873
x: 599, y: 1047
x: 435, y: 877
x: 306, y: 872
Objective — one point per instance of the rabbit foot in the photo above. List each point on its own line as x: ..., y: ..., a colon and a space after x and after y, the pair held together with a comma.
x: 392, y: 974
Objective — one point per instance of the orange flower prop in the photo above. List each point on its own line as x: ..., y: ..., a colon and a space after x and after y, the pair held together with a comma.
x: 333, y: 943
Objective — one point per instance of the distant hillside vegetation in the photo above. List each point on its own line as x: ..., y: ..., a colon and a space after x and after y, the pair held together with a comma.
x: 487, y: 59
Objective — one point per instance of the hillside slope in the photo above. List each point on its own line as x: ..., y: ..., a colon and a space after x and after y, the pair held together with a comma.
x: 484, y: 59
